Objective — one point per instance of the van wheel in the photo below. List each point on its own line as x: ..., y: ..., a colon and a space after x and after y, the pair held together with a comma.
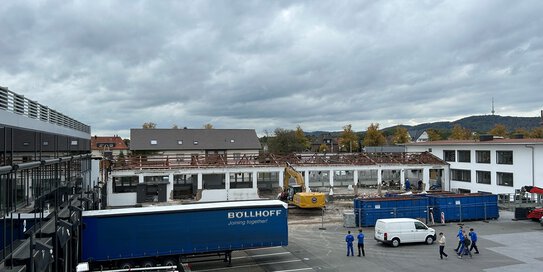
x: 395, y: 242
x: 429, y: 240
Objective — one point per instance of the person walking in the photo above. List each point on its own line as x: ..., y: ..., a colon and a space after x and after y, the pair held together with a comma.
x: 460, y: 237
x: 464, y: 249
x: 441, y: 242
x: 349, y: 239
x: 473, y: 236
x: 361, y: 243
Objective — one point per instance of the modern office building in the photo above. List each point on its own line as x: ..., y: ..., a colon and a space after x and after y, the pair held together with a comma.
x: 45, y: 175
x: 498, y: 166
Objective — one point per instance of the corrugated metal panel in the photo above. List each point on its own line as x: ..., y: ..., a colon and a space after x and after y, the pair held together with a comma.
x: 368, y: 210
x: 465, y: 207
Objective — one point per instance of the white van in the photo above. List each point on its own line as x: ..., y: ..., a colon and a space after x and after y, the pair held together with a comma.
x: 403, y: 230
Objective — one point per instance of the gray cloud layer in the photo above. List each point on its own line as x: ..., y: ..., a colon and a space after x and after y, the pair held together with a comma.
x: 266, y: 64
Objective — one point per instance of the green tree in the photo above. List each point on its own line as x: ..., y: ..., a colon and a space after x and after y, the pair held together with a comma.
x: 149, y: 125
x: 285, y: 142
x: 460, y: 133
x: 373, y: 136
x: 348, y: 140
x: 401, y: 136
x: 301, y: 138
x: 433, y: 135
x: 499, y: 130
x: 208, y: 126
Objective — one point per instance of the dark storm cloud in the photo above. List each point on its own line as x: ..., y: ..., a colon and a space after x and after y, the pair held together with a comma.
x: 266, y: 64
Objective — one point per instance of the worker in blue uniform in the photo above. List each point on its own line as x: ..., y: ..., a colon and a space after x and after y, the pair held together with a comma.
x: 460, y: 237
x: 349, y: 239
x: 407, y: 185
x: 473, y: 236
x: 360, y: 238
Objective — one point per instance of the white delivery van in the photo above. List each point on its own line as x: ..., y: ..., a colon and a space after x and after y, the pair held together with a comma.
x: 403, y: 230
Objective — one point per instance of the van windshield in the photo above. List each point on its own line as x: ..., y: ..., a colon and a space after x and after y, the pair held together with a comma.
x: 419, y: 225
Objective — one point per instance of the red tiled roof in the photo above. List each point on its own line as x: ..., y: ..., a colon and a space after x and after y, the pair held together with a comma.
x: 478, y: 142
x: 117, y: 141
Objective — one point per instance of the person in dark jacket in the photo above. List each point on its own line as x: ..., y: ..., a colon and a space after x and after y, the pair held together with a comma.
x: 361, y: 243
x: 349, y: 239
x: 407, y: 185
x: 473, y: 237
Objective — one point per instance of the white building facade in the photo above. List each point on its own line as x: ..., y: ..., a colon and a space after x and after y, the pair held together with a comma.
x: 498, y: 166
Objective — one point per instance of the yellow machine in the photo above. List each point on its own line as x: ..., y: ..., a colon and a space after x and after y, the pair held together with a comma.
x: 295, y: 193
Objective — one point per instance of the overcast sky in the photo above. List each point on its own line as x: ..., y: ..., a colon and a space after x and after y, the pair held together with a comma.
x: 115, y: 65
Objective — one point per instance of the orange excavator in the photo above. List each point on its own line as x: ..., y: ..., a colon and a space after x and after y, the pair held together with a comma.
x: 535, y: 213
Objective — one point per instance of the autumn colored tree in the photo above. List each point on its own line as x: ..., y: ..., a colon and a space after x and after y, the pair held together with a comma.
x: 348, y: 140
x: 373, y: 136
x: 525, y: 133
x: 536, y: 132
x: 401, y: 136
x: 149, y: 125
x: 208, y: 126
x: 323, y: 148
x: 460, y: 133
x: 499, y: 130
x: 433, y: 135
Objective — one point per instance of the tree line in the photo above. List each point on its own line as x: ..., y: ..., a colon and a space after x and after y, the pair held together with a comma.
x: 285, y: 141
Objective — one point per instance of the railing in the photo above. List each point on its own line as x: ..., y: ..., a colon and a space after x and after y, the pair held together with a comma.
x: 12, y: 102
x: 267, y: 159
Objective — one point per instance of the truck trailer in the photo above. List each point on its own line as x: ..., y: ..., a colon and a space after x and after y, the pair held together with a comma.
x: 164, y: 235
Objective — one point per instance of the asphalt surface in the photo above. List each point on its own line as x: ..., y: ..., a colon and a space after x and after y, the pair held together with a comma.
x: 505, y: 245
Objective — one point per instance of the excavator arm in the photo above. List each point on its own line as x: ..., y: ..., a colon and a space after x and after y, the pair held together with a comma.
x: 533, y: 190
x: 291, y: 172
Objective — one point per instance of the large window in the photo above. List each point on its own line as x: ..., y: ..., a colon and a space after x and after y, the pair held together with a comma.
x: 504, y: 179
x: 504, y: 157
x: 461, y: 175
x: 125, y: 184
x: 449, y: 155
x: 483, y: 177
x: 464, y: 156
x: 483, y: 156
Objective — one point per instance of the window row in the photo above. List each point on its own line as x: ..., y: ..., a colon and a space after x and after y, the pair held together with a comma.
x: 483, y: 177
x: 481, y: 156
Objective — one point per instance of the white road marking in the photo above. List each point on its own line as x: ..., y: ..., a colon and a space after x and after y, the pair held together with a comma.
x: 260, y: 255
x: 248, y: 265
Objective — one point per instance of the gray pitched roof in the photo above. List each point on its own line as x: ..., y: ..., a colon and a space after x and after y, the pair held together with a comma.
x: 186, y: 139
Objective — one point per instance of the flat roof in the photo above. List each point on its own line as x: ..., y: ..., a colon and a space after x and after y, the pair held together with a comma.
x: 478, y: 142
x: 186, y: 207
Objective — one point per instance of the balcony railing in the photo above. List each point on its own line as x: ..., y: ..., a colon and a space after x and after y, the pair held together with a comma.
x: 178, y: 161
x: 12, y: 102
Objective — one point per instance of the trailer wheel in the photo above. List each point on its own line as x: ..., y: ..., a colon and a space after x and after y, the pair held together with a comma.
x: 169, y: 262
x: 126, y: 265
x: 148, y: 263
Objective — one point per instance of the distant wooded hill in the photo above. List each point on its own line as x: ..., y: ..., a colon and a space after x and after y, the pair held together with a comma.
x: 481, y: 124
x: 484, y: 123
